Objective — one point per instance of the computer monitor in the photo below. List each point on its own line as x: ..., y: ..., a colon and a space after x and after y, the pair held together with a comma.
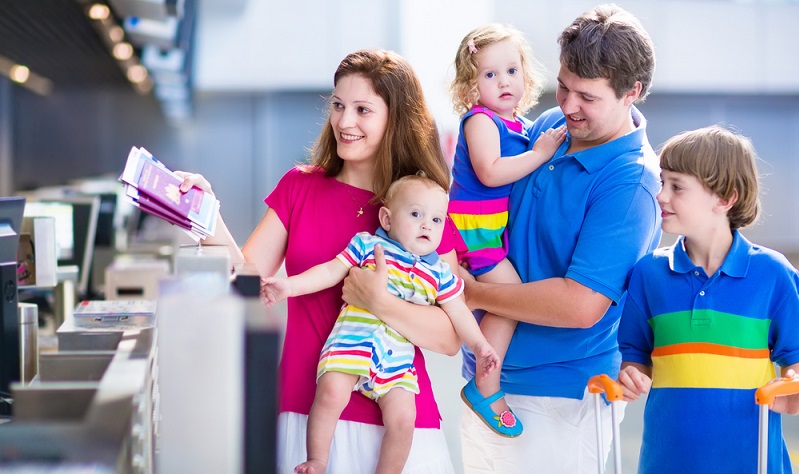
x: 62, y: 213
x: 82, y: 228
x: 11, y: 209
x: 106, y: 225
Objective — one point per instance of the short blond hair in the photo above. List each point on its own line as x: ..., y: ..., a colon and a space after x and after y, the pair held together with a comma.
x: 464, y: 86
x: 724, y: 162
x: 396, y: 187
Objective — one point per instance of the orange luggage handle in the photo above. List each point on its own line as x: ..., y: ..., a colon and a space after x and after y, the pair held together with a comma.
x: 598, y: 385
x: 604, y: 384
x: 766, y: 394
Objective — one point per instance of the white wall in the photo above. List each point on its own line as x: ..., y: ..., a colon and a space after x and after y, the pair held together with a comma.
x: 283, y: 45
x: 702, y: 46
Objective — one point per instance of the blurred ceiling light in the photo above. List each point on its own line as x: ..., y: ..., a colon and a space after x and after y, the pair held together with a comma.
x: 19, y: 73
x: 25, y: 77
x: 99, y: 11
x: 143, y: 87
x: 123, y: 51
x: 116, y: 33
x: 137, y: 73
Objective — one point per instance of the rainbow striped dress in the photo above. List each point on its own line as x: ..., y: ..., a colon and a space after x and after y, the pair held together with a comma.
x: 478, y: 211
x: 363, y: 345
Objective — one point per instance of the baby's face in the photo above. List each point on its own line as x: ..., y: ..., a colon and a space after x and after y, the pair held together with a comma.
x: 418, y: 214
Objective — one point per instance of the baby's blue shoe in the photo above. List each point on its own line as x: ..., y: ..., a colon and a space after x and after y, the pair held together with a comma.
x: 505, y: 424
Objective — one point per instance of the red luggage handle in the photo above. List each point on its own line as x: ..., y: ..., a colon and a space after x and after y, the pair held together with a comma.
x: 766, y: 394
x: 604, y: 384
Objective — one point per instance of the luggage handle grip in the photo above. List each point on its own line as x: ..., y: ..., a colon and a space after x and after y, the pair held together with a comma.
x: 603, y: 384
x: 766, y: 394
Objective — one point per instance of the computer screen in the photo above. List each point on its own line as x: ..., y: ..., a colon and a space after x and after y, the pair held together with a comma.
x: 106, y: 227
x: 62, y: 213
x: 83, y: 230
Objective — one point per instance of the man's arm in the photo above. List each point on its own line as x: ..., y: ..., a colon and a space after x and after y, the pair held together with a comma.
x: 556, y: 302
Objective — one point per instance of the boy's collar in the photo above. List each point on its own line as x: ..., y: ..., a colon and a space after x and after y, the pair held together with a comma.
x: 736, y: 263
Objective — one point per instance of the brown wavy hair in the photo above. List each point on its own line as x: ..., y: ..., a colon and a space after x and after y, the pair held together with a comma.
x: 411, y: 142
x: 610, y: 43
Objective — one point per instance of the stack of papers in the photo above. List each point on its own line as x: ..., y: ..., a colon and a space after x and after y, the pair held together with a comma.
x: 116, y: 315
x: 155, y: 189
x: 115, y: 308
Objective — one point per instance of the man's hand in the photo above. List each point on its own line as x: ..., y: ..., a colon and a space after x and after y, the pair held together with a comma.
x: 364, y: 288
x: 469, y: 283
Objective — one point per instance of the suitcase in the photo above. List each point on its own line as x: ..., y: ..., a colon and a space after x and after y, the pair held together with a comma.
x: 598, y: 385
x: 764, y: 396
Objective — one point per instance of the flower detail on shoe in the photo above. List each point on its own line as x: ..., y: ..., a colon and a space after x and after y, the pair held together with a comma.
x: 505, y: 424
x: 506, y: 419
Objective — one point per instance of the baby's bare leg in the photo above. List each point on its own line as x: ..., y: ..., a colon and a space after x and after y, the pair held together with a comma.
x: 333, y: 391
x: 498, y: 331
x: 399, y: 417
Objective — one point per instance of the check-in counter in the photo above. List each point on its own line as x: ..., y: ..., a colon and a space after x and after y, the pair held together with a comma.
x: 117, y: 390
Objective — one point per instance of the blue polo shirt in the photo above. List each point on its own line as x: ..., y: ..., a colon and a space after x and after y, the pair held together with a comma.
x: 587, y: 216
x: 711, y: 341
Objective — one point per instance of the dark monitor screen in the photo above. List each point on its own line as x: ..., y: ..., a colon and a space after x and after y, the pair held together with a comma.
x: 105, y: 220
x: 85, y: 211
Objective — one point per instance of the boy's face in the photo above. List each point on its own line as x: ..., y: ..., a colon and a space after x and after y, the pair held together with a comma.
x: 687, y: 207
x: 416, y: 217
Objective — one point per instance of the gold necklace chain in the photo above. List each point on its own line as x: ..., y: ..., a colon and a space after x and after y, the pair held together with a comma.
x: 360, y: 206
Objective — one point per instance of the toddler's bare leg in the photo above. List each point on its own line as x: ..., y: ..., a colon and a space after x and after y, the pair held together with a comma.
x: 399, y: 417
x: 498, y: 331
x: 333, y: 391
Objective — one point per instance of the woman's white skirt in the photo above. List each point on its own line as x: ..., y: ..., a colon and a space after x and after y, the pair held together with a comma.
x: 356, y: 446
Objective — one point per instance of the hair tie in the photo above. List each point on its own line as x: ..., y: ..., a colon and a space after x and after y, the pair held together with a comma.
x: 472, y: 47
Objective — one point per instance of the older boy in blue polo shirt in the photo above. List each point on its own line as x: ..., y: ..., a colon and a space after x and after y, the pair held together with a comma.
x: 707, y: 318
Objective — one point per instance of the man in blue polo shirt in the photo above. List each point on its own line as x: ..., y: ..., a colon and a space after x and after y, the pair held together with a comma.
x: 577, y: 225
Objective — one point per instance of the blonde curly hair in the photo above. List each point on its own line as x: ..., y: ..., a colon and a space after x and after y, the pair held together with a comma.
x: 464, y: 87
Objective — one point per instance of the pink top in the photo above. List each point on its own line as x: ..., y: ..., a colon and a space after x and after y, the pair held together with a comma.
x: 321, y: 216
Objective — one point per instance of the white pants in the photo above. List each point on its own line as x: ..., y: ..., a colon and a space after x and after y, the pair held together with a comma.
x: 356, y: 446
x: 559, y: 437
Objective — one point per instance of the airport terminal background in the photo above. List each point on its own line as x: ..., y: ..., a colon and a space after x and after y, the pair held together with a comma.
x: 255, y: 113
